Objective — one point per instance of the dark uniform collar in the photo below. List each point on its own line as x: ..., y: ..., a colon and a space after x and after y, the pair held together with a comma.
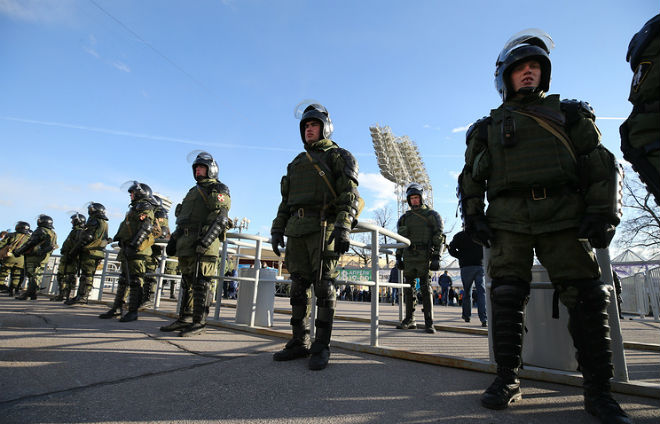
x: 321, y: 145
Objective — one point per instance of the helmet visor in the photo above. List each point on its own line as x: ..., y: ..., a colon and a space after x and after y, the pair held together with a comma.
x: 533, y: 36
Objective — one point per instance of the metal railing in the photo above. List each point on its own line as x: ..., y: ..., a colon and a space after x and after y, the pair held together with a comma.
x: 640, y: 294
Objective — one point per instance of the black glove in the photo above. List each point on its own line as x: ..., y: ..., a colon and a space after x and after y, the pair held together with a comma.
x: 277, y: 241
x: 477, y: 227
x: 435, y: 263
x: 342, y: 239
x: 598, y: 230
x: 130, y: 251
x: 170, y: 249
x: 399, y: 263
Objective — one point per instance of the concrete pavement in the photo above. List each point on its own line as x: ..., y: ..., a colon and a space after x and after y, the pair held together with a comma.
x: 62, y: 364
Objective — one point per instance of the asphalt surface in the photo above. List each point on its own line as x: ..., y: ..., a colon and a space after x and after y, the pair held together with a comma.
x: 61, y: 364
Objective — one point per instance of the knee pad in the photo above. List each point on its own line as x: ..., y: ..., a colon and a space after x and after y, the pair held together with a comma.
x: 587, y: 294
x: 325, y: 289
x: 512, y: 294
x: 298, y: 295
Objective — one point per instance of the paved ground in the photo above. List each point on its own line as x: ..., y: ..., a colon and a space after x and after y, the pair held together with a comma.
x: 62, y: 364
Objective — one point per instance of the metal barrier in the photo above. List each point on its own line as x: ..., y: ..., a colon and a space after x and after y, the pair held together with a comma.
x: 640, y: 294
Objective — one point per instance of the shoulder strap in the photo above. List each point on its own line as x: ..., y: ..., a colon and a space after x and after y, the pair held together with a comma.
x: 557, y: 132
x: 321, y: 173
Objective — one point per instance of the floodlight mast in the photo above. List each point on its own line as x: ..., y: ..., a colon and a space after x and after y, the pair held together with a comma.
x: 400, y: 162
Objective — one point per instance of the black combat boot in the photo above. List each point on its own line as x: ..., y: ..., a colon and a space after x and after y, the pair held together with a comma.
x: 589, y: 326
x: 298, y: 346
x: 427, y: 304
x: 503, y: 391
x: 320, y: 349
x: 82, y: 295
x: 134, y: 296
x: 201, y: 303
x: 115, y: 311
x: 408, y: 322
x: 508, y: 299
x: 185, y: 315
x: 28, y: 294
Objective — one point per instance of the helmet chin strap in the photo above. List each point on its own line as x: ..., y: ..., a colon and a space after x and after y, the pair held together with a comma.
x: 525, y: 91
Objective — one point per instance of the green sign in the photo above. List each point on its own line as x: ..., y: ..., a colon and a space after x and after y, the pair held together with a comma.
x: 354, y: 275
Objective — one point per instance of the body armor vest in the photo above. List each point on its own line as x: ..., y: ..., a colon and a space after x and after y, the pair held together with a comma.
x: 306, y: 186
x: 419, y: 227
x: 96, y: 247
x: 526, y: 154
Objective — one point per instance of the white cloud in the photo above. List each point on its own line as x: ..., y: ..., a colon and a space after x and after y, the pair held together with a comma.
x: 611, y: 118
x: 121, y: 66
x: 38, y: 10
x: 382, y: 190
x: 102, y: 187
x: 460, y: 129
x: 454, y: 174
x: 91, y: 51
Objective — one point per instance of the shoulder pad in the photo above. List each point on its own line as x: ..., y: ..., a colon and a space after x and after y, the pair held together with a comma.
x: 351, y: 167
x: 438, y: 219
x: 142, y: 206
x: 481, y: 125
x: 220, y: 188
x: 574, y: 109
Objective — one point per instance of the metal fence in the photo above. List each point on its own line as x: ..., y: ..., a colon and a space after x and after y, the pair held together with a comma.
x: 640, y: 294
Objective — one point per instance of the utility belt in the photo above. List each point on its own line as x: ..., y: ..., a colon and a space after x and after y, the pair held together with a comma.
x: 418, y: 246
x: 649, y: 107
x: 539, y: 192
x: 306, y: 212
x: 190, y: 230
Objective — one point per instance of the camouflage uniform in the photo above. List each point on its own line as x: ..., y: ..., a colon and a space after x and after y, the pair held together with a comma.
x: 306, y: 197
x: 13, y: 265
x: 135, y: 239
x: 552, y: 189
x: 69, y: 259
x: 201, y: 223
x: 36, y: 253
x: 640, y: 133
x: 91, y: 250
x: 423, y: 226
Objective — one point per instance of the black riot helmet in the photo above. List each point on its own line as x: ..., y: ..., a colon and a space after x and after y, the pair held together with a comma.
x: 22, y: 227
x: 140, y: 190
x: 412, y: 189
x: 320, y: 113
x: 96, y: 210
x: 45, y: 221
x: 77, y: 219
x: 204, y: 158
x: 529, y: 44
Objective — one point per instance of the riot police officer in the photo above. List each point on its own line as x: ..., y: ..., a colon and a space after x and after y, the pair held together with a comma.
x: 423, y: 226
x: 201, y: 223
x: 69, y: 259
x: 552, y: 189
x: 640, y: 133
x: 320, y: 203
x: 153, y: 261
x: 37, y: 251
x: 91, y: 250
x: 12, y: 264
x: 135, y: 237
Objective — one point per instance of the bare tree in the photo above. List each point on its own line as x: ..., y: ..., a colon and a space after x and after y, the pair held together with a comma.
x: 385, y: 218
x: 361, y: 252
x: 640, y: 226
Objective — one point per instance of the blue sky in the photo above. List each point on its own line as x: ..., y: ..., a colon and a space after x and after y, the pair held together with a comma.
x: 98, y: 92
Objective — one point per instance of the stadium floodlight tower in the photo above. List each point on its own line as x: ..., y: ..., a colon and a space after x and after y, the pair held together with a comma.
x: 400, y: 162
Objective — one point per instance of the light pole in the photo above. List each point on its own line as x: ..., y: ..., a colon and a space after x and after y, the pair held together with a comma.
x: 241, y: 224
x: 400, y: 162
